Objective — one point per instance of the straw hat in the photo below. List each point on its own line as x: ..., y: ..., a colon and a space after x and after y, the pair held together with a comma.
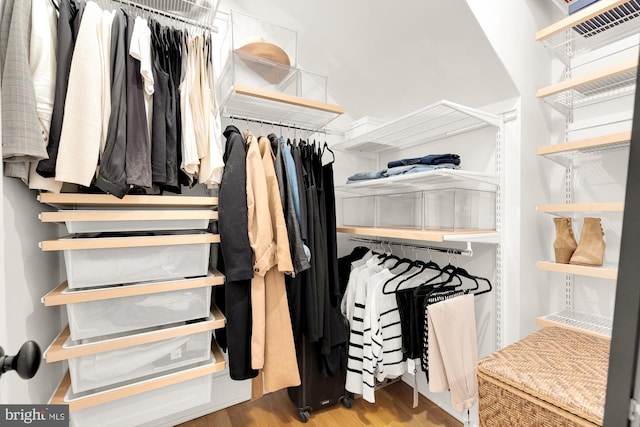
x: 268, y: 60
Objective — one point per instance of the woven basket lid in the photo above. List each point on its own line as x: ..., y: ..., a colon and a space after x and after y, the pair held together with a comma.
x: 565, y: 368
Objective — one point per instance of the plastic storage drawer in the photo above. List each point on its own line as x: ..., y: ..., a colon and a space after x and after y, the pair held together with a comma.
x: 93, y: 319
x: 402, y: 210
x: 126, y: 364
x: 148, y: 408
x: 88, y: 268
x: 359, y: 211
x: 459, y: 209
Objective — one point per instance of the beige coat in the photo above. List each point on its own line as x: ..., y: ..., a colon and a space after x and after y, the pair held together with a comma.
x: 272, y: 345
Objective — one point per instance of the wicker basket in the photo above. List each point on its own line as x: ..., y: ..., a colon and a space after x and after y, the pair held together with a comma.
x: 554, y: 377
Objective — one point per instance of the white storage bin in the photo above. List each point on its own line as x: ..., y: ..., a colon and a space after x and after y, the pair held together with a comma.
x: 359, y: 211
x: 459, y: 209
x: 362, y: 126
x: 107, y: 317
x: 148, y: 408
x: 133, y: 225
x: 402, y: 210
x: 126, y: 364
x: 97, y: 267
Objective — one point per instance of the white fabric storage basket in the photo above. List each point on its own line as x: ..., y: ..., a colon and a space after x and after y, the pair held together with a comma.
x: 134, y: 225
x: 116, y: 366
x: 88, y: 268
x: 148, y: 408
x: 107, y: 317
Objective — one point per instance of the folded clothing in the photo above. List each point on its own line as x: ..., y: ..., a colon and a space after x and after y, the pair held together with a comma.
x: 431, y: 159
x: 398, y: 170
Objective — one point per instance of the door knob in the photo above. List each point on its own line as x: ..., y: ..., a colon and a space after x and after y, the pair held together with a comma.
x: 26, y: 362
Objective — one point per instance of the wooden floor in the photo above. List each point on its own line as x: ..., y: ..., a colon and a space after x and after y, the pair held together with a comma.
x: 392, y: 408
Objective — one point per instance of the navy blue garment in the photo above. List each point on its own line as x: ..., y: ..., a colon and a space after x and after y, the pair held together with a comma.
x: 431, y: 159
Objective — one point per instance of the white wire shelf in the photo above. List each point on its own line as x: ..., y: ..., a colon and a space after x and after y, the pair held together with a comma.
x: 568, y: 152
x: 605, y: 272
x: 438, y: 178
x: 602, y: 23
x: 436, y: 121
x: 275, y: 107
x: 192, y: 12
x: 609, y: 82
x: 593, y: 324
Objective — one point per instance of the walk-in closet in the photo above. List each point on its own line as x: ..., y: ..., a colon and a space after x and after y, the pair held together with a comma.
x: 239, y: 213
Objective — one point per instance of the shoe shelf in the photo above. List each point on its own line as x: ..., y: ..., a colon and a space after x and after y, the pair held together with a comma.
x: 64, y: 396
x: 608, y: 272
x: 589, y: 323
x: 433, y: 122
x: 473, y: 236
x: 595, y: 26
x: 567, y: 152
x: 438, y: 178
x: 609, y: 82
x: 565, y: 208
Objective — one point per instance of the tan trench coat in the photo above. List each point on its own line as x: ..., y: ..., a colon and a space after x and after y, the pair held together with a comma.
x: 272, y: 345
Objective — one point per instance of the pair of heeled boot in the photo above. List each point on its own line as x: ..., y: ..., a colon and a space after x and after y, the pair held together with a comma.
x: 590, y: 250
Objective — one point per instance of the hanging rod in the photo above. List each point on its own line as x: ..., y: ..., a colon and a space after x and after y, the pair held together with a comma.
x: 169, y: 15
x: 325, y: 131
x: 453, y: 251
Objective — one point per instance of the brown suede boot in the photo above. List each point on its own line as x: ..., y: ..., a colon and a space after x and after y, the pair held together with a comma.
x: 590, y: 251
x: 565, y: 243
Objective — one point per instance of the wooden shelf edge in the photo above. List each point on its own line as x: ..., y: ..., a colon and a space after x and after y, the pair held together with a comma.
x: 136, y: 388
x: 125, y: 215
x: 57, y: 351
x: 82, y: 199
x: 59, y: 297
x: 578, y: 18
x: 581, y: 207
x: 63, y: 244
x: 580, y: 270
x: 598, y: 141
x: 576, y: 82
x: 288, y: 99
x: 400, y: 233
x: 547, y: 323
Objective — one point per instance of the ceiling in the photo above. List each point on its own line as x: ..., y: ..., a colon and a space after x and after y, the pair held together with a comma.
x: 384, y: 61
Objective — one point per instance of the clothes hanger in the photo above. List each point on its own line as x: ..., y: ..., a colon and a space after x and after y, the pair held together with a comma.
x: 53, y: 2
x: 333, y: 155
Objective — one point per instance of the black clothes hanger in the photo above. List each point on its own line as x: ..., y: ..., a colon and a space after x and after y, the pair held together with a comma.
x: 333, y: 155
x: 53, y: 2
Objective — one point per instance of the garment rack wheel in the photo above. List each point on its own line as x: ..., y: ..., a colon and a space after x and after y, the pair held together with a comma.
x: 304, y: 415
x: 347, y: 401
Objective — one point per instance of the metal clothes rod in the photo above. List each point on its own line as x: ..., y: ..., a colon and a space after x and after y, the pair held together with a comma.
x: 325, y: 131
x: 454, y: 251
x: 169, y: 15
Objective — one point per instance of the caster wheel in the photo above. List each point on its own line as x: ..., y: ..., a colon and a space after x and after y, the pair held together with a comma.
x: 304, y: 416
x: 347, y: 402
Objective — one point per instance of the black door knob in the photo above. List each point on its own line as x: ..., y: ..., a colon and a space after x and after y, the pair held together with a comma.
x: 26, y: 362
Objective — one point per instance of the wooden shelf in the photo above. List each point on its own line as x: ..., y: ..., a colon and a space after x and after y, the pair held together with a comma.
x: 276, y: 107
x: 63, y: 295
x: 560, y: 209
x: 433, y: 122
x: 580, y: 270
x: 122, y: 215
x: 576, y: 34
x: 62, y: 348
x: 567, y: 152
x: 62, y: 394
x: 82, y: 199
x: 614, y: 80
x: 587, y: 323
x: 81, y: 243
x: 484, y: 236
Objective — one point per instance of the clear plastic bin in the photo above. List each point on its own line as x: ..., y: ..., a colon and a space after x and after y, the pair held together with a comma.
x: 112, y: 316
x: 402, y: 210
x: 88, y: 268
x: 459, y: 209
x: 134, y: 225
x: 126, y: 364
x: 148, y: 408
x: 359, y: 211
